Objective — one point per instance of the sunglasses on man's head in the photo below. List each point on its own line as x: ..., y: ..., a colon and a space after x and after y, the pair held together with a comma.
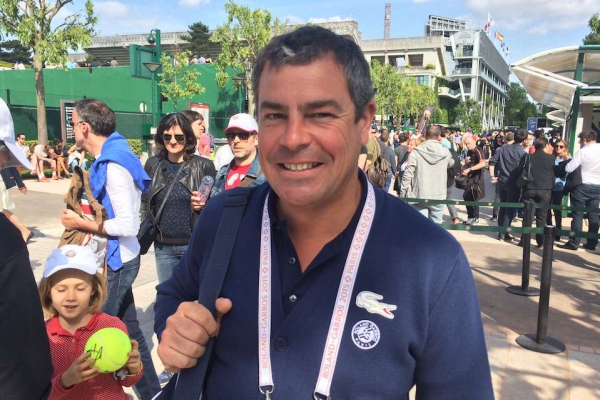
x: 179, y: 137
x: 244, y: 136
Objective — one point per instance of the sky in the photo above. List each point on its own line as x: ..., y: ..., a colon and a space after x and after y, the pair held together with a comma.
x: 528, y: 26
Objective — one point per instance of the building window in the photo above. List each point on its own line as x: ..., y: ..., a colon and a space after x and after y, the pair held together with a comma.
x: 415, y: 60
x: 422, y: 80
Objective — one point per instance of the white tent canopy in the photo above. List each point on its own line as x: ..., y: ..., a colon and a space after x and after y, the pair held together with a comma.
x: 547, y: 76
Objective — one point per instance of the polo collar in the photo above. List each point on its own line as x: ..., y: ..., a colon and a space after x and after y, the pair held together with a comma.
x: 55, y: 328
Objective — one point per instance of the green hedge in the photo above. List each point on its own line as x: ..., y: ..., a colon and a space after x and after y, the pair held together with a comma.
x: 136, y: 146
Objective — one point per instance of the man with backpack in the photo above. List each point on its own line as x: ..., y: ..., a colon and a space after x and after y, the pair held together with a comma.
x: 377, y: 166
x: 388, y: 154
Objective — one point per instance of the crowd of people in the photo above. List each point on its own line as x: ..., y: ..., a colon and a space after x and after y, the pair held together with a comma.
x: 301, y: 312
x: 430, y: 163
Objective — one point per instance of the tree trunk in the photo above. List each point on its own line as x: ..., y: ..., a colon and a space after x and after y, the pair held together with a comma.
x: 42, y: 124
x: 250, y: 92
x: 250, y: 100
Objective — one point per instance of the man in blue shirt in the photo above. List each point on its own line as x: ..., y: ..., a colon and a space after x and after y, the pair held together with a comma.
x: 506, y: 162
x: 316, y: 301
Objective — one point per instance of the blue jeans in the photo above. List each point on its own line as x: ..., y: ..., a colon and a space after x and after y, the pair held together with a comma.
x: 451, y: 207
x: 388, y: 182
x: 167, y: 257
x: 508, y: 193
x: 585, y: 196
x: 433, y: 212
x: 75, y: 163
x: 120, y: 303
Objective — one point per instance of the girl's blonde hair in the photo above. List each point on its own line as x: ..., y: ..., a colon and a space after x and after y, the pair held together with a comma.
x: 97, y: 299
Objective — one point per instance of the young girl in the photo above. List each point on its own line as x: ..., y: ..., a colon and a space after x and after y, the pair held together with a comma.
x: 73, y: 292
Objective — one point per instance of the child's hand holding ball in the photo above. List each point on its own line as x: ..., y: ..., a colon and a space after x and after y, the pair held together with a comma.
x: 134, y: 363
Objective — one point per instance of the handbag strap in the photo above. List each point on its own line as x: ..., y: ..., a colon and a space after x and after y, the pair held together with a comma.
x: 191, y: 381
x: 162, y: 205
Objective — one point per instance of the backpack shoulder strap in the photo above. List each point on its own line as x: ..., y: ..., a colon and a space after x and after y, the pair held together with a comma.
x: 191, y: 381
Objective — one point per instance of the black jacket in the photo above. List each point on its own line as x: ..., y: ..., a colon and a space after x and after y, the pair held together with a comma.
x: 192, y: 173
x: 25, y: 362
x: 542, y: 164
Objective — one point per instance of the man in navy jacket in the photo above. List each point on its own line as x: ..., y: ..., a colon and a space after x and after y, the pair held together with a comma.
x: 316, y: 301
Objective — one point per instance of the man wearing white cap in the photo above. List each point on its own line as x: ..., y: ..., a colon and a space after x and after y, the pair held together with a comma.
x: 25, y: 364
x: 244, y: 169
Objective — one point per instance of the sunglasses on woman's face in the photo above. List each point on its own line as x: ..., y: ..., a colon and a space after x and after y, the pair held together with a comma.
x: 560, y: 146
x: 179, y: 138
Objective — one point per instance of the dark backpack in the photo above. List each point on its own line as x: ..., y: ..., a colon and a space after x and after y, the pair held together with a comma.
x: 525, y: 172
x: 378, y: 172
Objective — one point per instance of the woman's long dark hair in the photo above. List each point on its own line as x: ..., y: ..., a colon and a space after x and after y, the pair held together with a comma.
x: 168, y: 122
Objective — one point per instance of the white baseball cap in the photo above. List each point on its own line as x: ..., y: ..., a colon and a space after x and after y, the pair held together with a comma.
x: 7, y: 135
x: 71, y: 256
x: 242, y: 121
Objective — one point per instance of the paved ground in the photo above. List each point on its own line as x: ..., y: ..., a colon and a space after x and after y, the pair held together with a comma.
x: 518, y: 374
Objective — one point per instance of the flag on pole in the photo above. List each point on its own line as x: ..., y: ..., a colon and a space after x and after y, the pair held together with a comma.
x: 489, y: 24
x: 499, y: 36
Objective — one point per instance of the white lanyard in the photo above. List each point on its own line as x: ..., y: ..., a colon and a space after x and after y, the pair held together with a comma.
x: 340, y: 310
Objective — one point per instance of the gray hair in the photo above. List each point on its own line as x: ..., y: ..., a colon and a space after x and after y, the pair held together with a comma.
x: 98, y: 115
x: 310, y: 43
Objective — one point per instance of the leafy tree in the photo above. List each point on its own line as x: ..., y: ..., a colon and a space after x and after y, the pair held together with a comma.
x: 398, y: 94
x: 198, y: 39
x: 242, y: 38
x: 518, y: 107
x: 389, y: 85
x: 177, y: 80
x: 12, y: 51
x: 468, y: 116
x: 32, y: 22
x: 594, y: 36
x: 417, y: 98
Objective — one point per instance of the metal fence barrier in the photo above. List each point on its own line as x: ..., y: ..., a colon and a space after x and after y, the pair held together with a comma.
x: 539, y: 341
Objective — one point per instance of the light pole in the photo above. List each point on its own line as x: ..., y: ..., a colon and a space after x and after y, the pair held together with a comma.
x: 154, y: 39
x: 153, y: 67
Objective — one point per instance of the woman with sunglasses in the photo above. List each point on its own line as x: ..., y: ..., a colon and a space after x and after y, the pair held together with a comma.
x: 560, y: 151
x: 173, y: 165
